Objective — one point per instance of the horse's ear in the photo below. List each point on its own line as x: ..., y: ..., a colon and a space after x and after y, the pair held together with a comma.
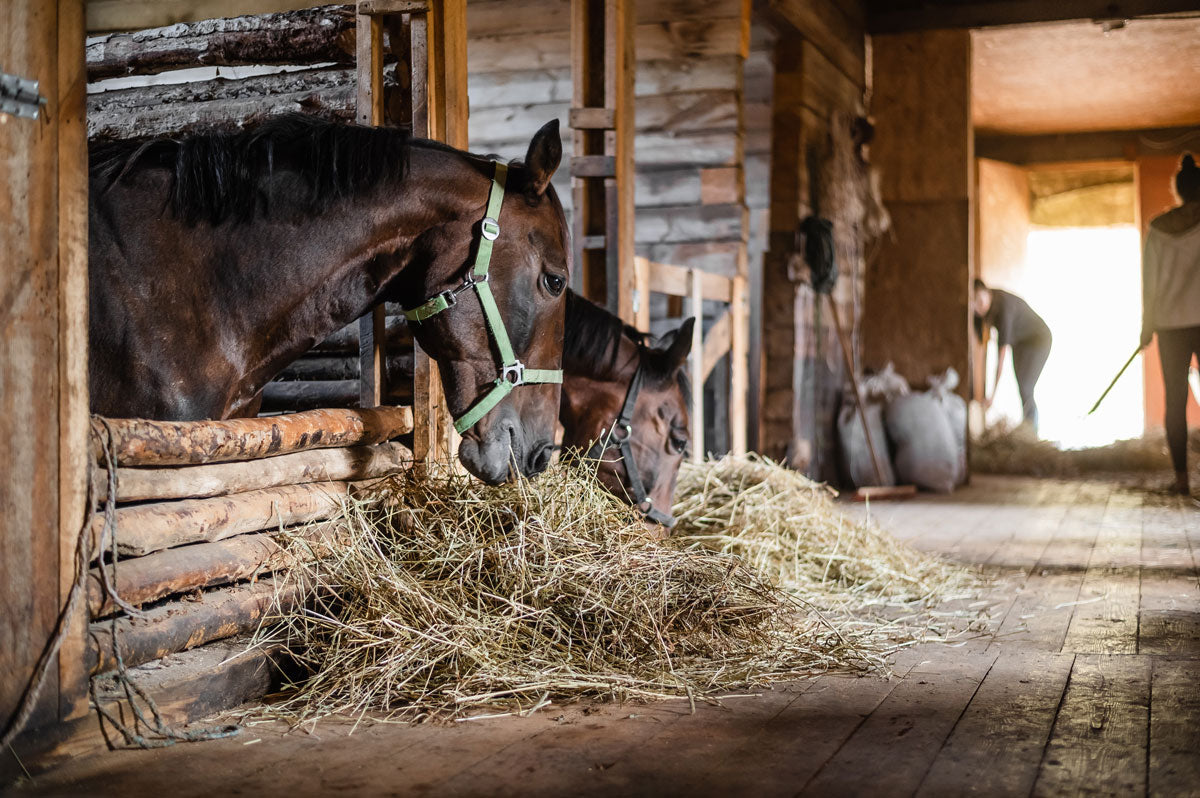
x: 545, y: 153
x: 681, y: 347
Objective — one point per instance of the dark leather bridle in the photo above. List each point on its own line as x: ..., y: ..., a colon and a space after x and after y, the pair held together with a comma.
x: 620, y: 435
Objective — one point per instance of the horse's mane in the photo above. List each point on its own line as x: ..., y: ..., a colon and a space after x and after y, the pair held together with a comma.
x: 219, y: 176
x: 593, y: 334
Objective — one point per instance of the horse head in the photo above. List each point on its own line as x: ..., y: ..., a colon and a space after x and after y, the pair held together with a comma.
x: 627, y: 410
x: 496, y: 280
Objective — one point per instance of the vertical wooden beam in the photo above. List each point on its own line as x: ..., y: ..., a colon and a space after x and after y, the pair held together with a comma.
x: 619, y: 71
x: 370, y: 111
x: 696, y: 308
x: 778, y: 416
x: 446, y: 113
x: 74, y: 459
x: 603, y: 64
x: 641, y: 288
x: 739, y: 364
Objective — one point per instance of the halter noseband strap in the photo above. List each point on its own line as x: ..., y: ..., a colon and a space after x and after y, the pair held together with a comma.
x: 512, y: 372
x: 621, y: 434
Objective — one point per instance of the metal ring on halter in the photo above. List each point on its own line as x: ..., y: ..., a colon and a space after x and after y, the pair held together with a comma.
x: 626, y: 428
x: 489, y: 228
x: 516, y: 370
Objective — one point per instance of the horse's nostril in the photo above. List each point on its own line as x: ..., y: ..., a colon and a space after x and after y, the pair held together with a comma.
x: 538, y: 458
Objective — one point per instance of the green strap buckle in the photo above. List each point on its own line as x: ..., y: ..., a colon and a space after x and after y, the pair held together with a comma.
x: 489, y: 228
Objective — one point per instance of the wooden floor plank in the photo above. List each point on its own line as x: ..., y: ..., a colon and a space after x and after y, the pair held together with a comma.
x: 1174, y: 721
x: 1105, y: 619
x: 1041, y: 614
x: 996, y: 746
x: 889, y: 754
x: 1168, y: 620
x: 1099, y: 742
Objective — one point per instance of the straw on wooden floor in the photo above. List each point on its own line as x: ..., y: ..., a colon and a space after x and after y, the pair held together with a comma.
x: 1003, y: 449
x: 450, y: 598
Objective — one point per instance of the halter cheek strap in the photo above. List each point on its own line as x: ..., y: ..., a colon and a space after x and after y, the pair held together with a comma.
x: 621, y: 434
x: 512, y: 372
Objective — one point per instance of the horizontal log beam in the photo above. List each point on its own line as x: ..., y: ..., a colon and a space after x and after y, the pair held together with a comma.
x: 905, y: 16
x: 289, y: 37
x: 146, y: 528
x: 139, y: 442
x: 1103, y: 145
x: 222, y: 479
x: 304, y: 395
x: 182, y: 625
x: 666, y: 278
x: 345, y: 340
x: 174, y: 571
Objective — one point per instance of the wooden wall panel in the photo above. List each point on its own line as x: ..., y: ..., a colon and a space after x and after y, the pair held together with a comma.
x: 917, y: 291
x: 42, y: 282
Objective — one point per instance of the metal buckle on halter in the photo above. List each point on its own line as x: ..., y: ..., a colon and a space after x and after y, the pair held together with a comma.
x: 515, y: 370
x: 627, y: 430
x: 450, y: 297
x: 489, y: 228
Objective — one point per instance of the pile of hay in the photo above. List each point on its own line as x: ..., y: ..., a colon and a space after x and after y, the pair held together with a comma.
x: 1006, y: 450
x: 450, y: 597
x: 788, y: 528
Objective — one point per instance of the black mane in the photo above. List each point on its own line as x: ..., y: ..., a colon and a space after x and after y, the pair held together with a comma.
x: 219, y: 176
x: 593, y: 336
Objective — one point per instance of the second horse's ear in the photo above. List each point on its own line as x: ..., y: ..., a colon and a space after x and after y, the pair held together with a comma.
x: 545, y: 153
x: 681, y: 347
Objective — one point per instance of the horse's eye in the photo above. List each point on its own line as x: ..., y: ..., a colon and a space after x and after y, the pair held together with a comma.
x: 679, y: 445
x: 554, y: 283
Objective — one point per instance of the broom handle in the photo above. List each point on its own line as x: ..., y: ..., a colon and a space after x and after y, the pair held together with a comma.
x: 862, y: 410
x: 1114, y: 380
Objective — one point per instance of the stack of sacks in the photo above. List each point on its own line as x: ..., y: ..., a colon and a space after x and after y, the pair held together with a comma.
x: 921, y: 435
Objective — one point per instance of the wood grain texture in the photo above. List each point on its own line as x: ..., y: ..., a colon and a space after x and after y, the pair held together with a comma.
x: 178, y: 626
x: 1174, y: 760
x: 145, y: 528
x: 32, y: 568
x: 139, y: 442
x: 222, y: 479
x: 1099, y: 742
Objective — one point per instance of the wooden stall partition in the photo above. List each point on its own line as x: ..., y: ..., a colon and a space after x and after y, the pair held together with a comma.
x: 726, y: 336
x: 43, y: 366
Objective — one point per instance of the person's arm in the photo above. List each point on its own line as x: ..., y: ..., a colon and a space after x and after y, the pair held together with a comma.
x: 1001, y: 354
x: 1149, y: 291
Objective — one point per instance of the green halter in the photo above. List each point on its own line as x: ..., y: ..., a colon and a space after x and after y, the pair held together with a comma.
x: 512, y: 371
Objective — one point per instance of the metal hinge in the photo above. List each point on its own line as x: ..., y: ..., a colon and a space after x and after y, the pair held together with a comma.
x: 20, y: 97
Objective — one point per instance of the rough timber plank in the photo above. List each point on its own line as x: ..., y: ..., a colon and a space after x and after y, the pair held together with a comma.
x: 1168, y: 620
x: 1174, y: 719
x: 890, y: 753
x: 995, y: 747
x: 1041, y: 614
x: 1106, y: 619
x: 1099, y: 742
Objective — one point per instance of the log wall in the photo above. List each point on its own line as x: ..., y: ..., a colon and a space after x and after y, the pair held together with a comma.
x: 818, y: 81
x: 199, y: 507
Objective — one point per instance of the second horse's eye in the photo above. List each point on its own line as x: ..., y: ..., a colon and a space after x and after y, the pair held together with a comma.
x: 554, y: 283
x: 679, y: 445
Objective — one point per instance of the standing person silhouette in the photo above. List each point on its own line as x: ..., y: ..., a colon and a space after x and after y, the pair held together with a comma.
x: 1020, y: 329
x: 1171, y: 305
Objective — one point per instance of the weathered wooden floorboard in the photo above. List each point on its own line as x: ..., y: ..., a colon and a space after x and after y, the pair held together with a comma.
x: 1168, y: 620
x: 997, y: 743
x: 1174, y: 760
x: 1099, y: 742
x: 904, y: 734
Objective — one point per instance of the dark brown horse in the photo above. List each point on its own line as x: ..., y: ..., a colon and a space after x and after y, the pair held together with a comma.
x: 218, y: 259
x: 625, y: 404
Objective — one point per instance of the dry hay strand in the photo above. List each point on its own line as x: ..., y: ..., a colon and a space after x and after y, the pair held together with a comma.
x: 450, y: 597
x: 1003, y: 449
x: 787, y: 527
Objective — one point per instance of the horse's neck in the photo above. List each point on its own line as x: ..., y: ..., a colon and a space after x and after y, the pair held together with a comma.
x: 343, y: 263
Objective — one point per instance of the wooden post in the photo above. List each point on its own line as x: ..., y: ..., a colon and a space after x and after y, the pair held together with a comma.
x: 602, y: 70
x: 739, y: 364
x: 370, y: 111
x: 696, y: 308
x: 43, y: 360
x: 641, y: 288
x: 444, y: 60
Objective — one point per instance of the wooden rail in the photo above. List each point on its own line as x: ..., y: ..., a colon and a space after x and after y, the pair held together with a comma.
x: 730, y: 334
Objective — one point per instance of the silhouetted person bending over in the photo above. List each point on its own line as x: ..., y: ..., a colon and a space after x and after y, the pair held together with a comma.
x: 1171, y: 304
x: 1017, y: 328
